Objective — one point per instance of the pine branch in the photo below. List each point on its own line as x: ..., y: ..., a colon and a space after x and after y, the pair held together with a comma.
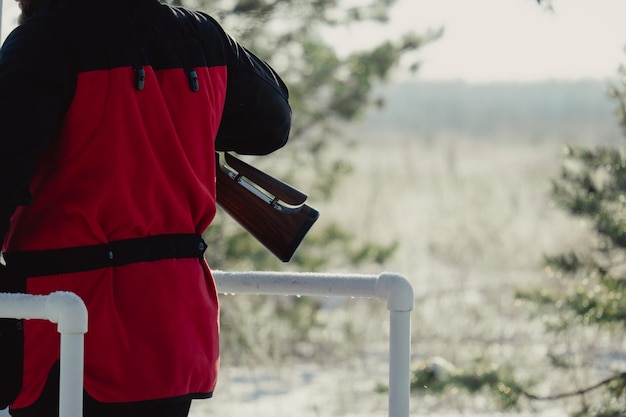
x: 574, y: 393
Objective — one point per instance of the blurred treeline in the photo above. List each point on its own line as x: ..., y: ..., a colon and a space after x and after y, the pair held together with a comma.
x: 544, y: 110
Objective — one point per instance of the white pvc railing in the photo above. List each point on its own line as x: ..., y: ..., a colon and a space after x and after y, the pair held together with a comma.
x: 393, y: 288
x: 69, y: 312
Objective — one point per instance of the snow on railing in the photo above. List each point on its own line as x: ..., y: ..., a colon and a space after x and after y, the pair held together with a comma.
x: 393, y: 288
x: 69, y: 312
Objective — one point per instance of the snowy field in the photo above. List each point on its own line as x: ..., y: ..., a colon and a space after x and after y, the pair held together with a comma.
x: 474, y: 220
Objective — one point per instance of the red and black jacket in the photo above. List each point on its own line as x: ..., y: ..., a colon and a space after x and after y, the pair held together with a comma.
x: 110, y: 113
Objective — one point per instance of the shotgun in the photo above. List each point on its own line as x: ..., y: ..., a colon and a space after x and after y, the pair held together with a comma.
x: 272, y: 211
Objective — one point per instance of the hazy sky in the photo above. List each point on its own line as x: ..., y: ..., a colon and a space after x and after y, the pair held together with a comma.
x: 492, y: 40
x: 488, y: 40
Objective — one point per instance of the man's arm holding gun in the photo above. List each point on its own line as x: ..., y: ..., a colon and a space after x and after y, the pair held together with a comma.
x: 270, y: 210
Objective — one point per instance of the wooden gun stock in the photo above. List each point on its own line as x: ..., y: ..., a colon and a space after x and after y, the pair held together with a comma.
x: 269, y: 209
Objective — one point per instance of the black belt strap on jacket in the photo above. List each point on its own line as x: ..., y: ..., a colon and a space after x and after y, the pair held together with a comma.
x: 117, y: 253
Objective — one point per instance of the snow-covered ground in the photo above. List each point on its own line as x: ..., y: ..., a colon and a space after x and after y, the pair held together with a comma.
x: 474, y: 221
x: 318, y: 391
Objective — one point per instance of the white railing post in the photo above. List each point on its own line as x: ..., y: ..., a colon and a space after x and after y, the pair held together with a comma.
x: 69, y: 312
x: 400, y: 300
x: 399, y: 363
x: 393, y: 288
